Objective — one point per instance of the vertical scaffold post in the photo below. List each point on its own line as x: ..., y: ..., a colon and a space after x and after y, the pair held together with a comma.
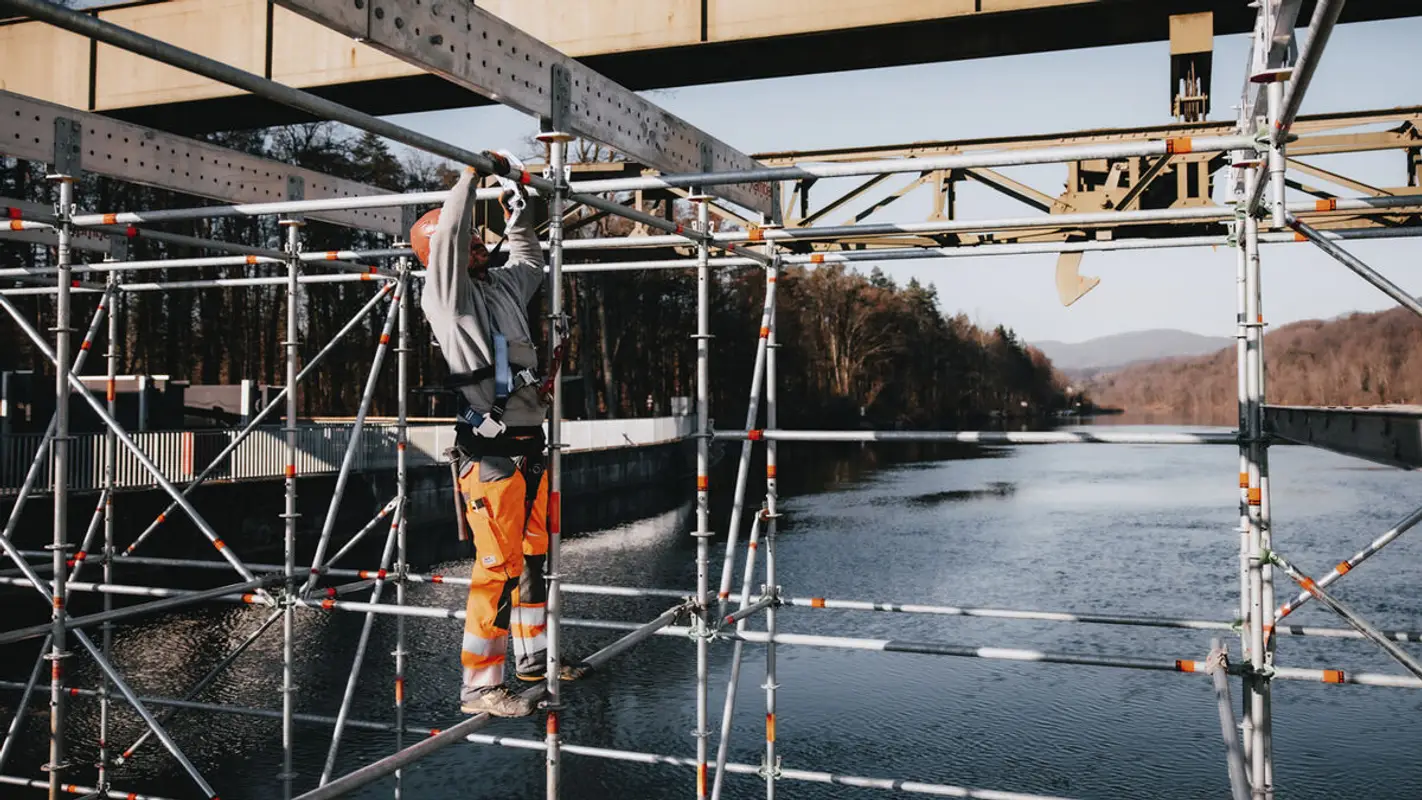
x: 557, y: 323
x: 110, y: 476
x: 1243, y: 167
x: 1277, y: 167
x: 772, y: 763
x: 703, y: 483
x: 1277, y: 136
x: 1255, y: 683
x: 402, y: 566
x: 59, y: 475
x: 289, y: 516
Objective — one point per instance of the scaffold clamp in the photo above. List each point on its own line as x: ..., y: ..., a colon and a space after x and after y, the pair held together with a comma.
x: 768, y: 770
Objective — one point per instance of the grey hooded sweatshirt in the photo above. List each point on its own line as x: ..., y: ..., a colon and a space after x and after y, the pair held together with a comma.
x: 465, y: 313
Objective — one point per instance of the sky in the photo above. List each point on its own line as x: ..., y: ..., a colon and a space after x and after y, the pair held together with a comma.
x: 1124, y: 86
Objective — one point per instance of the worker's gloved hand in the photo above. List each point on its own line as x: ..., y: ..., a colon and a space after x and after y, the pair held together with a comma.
x: 513, y: 201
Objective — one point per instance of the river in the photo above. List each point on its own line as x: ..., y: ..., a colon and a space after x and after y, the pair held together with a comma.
x: 1107, y: 528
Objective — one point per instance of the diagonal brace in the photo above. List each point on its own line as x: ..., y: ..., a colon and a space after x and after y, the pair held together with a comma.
x: 102, y: 413
x: 1352, y: 262
x: 1348, y: 614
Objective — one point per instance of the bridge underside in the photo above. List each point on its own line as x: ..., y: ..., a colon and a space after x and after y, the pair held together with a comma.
x: 642, y: 44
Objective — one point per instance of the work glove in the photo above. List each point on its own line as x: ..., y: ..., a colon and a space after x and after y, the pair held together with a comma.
x: 513, y: 201
x: 500, y: 162
x: 514, y: 196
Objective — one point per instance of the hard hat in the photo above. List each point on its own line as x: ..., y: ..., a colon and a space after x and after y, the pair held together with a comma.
x: 420, y: 236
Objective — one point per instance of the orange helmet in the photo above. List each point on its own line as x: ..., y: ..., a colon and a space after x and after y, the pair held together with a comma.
x: 420, y: 236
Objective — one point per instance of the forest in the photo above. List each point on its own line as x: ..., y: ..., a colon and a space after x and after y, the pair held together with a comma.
x: 1356, y: 359
x: 854, y: 348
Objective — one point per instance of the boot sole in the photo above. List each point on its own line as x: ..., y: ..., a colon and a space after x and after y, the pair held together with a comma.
x: 472, y: 710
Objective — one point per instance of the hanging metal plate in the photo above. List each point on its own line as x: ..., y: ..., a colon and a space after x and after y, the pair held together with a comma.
x: 154, y: 158
x: 481, y: 52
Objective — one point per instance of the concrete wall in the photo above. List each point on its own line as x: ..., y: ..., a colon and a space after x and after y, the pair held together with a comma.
x: 600, y: 487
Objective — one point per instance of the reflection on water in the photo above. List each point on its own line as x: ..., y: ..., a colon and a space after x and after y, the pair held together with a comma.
x: 1109, y: 528
x: 993, y: 489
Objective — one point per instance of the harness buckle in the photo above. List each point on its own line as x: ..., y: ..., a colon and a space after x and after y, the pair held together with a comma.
x: 485, y: 425
x: 490, y: 427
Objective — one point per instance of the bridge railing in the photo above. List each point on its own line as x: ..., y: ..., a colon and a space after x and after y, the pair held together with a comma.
x: 182, y: 455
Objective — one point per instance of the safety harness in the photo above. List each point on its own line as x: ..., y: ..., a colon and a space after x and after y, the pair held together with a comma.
x: 508, y: 378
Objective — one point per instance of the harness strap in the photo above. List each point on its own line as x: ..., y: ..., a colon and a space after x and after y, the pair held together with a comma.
x: 502, y: 379
x: 458, y: 380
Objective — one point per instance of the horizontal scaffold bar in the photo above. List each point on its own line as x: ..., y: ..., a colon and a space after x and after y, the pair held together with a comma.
x: 142, y: 609
x: 1044, y: 155
x: 1203, y: 214
x: 1014, y: 654
x: 980, y: 250
x: 78, y: 790
x: 332, y: 258
x: 983, y: 437
x: 1084, y: 617
x: 912, y: 787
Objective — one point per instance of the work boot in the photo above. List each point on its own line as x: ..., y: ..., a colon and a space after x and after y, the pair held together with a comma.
x: 498, y: 701
x: 567, y: 671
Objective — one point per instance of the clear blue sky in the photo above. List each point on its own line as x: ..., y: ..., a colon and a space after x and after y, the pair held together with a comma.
x: 1363, y: 68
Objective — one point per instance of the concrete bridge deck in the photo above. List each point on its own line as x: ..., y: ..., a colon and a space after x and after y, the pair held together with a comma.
x: 642, y: 44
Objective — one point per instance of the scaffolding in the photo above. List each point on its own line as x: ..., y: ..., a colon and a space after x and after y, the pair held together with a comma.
x: 1258, y: 167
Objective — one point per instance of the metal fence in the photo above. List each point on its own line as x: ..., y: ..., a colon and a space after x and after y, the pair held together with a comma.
x: 182, y: 455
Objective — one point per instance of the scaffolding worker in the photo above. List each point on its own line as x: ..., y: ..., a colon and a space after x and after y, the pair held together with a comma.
x: 477, y: 309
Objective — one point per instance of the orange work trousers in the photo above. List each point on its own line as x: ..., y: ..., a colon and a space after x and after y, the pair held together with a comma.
x: 507, y: 593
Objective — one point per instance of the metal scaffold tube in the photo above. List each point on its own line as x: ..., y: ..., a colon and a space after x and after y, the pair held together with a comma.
x: 1255, y: 682
x: 289, y: 513
x: 728, y: 706
x: 38, y: 462
x: 1344, y: 567
x: 1089, y: 618
x: 328, y: 524
x: 1218, y: 667
x: 138, y: 453
x: 358, y: 660
x: 97, y: 656
x: 738, y: 501
x: 438, y: 740
x: 17, y: 722
x: 557, y: 326
x: 1176, y: 666
x: 59, y: 470
x: 402, y: 562
x: 772, y: 588
x: 703, y: 487
x: 1325, y: 17
x: 261, y: 416
x: 981, y: 437
x: 1352, y: 262
x: 1348, y: 614
x: 179, y: 600
x: 202, y: 684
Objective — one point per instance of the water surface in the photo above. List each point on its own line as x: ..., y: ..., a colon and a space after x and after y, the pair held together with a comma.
x: 1108, y: 528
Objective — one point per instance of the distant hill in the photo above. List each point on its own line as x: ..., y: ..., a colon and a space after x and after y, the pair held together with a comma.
x: 1106, y: 353
x: 1357, y: 359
